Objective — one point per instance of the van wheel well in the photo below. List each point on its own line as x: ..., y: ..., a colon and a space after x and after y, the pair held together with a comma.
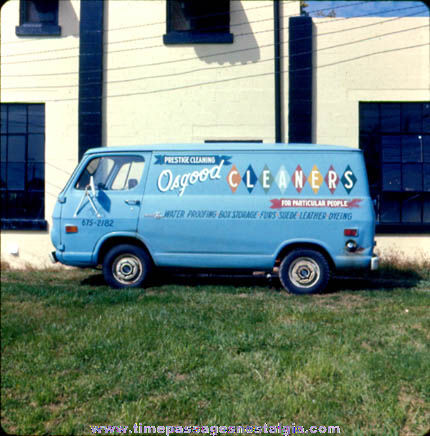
x: 304, y: 245
x: 118, y: 240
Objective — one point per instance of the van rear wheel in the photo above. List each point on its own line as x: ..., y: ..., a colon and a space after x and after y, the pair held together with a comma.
x: 126, y: 266
x: 304, y: 272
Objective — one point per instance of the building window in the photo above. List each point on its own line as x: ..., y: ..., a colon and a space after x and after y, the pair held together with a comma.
x: 198, y: 22
x: 22, y: 183
x: 38, y: 18
x: 395, y: 138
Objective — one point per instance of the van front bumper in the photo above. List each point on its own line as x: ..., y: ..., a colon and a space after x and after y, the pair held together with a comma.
x: 374, y: 263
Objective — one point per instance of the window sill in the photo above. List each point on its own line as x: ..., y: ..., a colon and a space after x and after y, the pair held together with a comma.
x: 417, y: 229
x: 24, y: 224
x: 198, y: 38
x: 38, y: 29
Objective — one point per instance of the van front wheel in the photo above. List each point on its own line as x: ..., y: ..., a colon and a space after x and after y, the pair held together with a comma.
x: 304, y: 272
x: 126, y: 266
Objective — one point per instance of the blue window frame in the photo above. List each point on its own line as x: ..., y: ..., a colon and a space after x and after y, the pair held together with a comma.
x: 198, y: 22
x: 22, y: 182
x: 395, y: 138
x: 38, y: 18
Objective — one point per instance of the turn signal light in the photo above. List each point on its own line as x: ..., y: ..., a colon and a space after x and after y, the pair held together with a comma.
x: 350, y: 232
x: 71, y: 229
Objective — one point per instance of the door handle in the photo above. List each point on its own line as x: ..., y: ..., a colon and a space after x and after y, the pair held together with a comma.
x: 156, y: 215
x: 132, y: 202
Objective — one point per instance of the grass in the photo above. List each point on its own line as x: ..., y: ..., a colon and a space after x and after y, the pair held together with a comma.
x: 215, y: 351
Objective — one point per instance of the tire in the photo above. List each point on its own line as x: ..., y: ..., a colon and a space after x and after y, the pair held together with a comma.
x: 304, y: 272
x: 126, y: 266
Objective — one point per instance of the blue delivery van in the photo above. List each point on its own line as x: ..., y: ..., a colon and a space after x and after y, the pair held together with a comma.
x: 301, y: 210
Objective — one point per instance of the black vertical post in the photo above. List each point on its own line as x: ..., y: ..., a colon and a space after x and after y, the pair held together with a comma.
x: 300, y: 79
x: 90, y: 75
x: 278, y: 91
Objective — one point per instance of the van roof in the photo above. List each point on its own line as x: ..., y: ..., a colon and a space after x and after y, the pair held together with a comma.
x: 223, y: 146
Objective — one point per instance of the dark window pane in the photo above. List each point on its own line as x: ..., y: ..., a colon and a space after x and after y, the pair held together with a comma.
x: 36, y: 118
x: 411, y: 149
x: 16, y: 148
x: 426, y: 169
x: 22, y: 155
x: 391, y: 177
x: 426, y: 147
x: 426, y: 117
x: 369, y: 117
x: 412, y: 177
x: 3, y: 180
x: 36, y: 148
x: 41, y: 11
x: 35, y: 176
x: 15, y: 176
x: 3, y: 204
x: 210, y: 16
x: 198, y: 15
x: 35, y: 205
x: 426, y: 209
x: 17, y: 121
x: 411, y: 117
x: 370, y: 146
x: 411, y: 210
x: 391, y: 148
x: 3, y: 118
x: 389, y: 209
x: 3, y: 148
x: 179, y: 19
x: 390, y: 117
x: 15, y: 205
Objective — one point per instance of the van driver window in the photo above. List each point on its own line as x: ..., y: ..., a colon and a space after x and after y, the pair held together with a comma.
x: 117, y: 173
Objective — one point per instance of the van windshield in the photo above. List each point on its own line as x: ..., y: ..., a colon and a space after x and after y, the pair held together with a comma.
x: 115, y: 173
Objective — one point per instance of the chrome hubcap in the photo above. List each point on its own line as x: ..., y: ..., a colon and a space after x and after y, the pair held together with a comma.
x: 304, y: 272
x: 127, y: 269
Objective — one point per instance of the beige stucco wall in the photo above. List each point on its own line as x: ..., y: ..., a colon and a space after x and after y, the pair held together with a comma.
x: 366, y: 59
x: 27, y: 76
x: 189, y: 93
x: 404, y: 248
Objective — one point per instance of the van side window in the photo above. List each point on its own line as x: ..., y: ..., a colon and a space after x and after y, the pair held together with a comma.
x: 128, y: 175
x: 112, y: 173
